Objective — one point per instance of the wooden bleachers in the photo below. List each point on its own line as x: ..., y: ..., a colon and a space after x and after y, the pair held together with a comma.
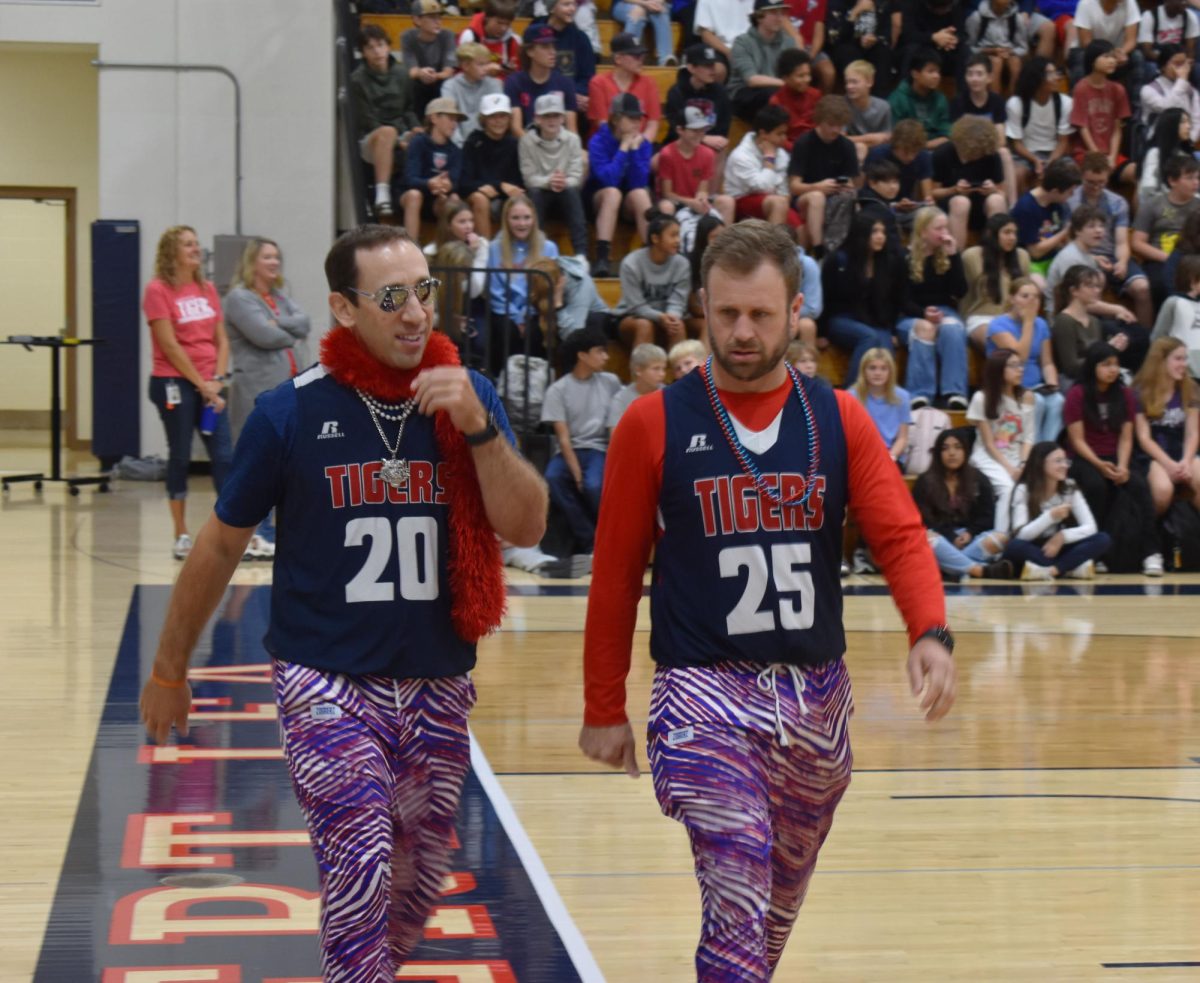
x: 664, y: 76
x: 397, y: 24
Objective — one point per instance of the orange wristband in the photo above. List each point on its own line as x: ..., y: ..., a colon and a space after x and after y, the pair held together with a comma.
x: 154, y: 678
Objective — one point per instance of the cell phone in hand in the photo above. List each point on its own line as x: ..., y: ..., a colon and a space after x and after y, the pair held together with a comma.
x: 842, y: 180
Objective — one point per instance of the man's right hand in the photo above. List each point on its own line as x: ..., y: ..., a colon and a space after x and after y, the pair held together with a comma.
x: 612, y: 746
x: 162, y: 706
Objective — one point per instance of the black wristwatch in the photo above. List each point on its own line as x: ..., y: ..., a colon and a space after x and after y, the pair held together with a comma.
x: 941, y: 633
x: 486, y: 435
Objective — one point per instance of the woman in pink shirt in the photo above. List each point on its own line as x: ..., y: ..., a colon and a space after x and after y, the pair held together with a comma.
x: 191, y: 356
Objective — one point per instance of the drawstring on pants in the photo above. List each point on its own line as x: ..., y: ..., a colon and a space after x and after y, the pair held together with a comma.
x: 766, y: 683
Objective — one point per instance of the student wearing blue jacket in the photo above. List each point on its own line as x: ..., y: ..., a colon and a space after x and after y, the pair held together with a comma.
x: 619, y: 161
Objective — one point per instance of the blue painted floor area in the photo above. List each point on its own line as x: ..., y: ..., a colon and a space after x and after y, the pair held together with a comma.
x: 203, y: 862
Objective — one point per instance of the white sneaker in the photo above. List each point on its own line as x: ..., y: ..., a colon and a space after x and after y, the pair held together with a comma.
x: 1152, y: 566
x: 527, y: 558
x: 183, y: 546
x: 259, y: 548
x: 1034, y: 571
x: 862, y: 562
x: 1085, y: 571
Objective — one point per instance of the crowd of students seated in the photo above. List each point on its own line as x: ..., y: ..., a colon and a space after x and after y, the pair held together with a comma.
x: 1044, y: 214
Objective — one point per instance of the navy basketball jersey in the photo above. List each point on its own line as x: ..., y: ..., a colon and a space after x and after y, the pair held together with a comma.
x: 737, y: 576
x: 360, y: 581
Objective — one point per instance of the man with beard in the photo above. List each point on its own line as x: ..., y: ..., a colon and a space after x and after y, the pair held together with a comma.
x: 739, y: 475
x: 393, y: 470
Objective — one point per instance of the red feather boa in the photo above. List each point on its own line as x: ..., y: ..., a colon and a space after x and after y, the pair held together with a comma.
x: 476, y: 568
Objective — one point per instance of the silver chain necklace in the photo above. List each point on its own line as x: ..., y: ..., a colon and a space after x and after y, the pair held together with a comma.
x: 395, y: 468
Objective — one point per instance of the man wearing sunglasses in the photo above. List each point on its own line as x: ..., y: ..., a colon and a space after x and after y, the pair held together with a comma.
x: 393, y: 470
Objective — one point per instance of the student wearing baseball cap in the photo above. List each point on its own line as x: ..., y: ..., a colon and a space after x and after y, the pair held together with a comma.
x: 576, y: 42
x: 552, y: 168
x: 628, y: 56
x: 433, y: 166
x: 754, y: 57
x: 696, y: 85
x: 687, y: 172
x: 539, y: 77
x: 427, y: 51
x: 619, y: 161
x: 469, y: 87
x: 491, y: 170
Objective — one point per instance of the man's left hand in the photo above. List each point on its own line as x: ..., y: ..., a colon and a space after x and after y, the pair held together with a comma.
x: 449, y: 388
x: 931, y: 669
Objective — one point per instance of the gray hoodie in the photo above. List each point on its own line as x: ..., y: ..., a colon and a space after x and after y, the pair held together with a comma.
x: 753, y: 54
x: 541, y: 158
x: 579, y: 296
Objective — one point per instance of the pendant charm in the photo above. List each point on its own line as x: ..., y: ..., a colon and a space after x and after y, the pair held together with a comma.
x: 394, y: 472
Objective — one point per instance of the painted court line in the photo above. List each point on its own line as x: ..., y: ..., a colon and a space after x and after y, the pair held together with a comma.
x: 560, y: 918
x: 1050, y: 795
x: 889, y: 871
x: 1177, y: 965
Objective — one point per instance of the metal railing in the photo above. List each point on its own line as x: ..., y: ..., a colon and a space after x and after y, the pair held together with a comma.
x: 345, y: 44
x: 487, y: 339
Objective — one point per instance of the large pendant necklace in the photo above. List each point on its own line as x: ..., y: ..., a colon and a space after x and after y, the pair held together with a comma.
x: 748, y: 466
x: 394, y: 468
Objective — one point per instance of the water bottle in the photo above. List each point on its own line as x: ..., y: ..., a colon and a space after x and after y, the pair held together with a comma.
x: 208, y: 420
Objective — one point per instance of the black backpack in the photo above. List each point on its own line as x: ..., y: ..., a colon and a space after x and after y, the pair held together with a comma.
x: 1123, y: 523
x: 1181, y: 542
x: 1027, y: 111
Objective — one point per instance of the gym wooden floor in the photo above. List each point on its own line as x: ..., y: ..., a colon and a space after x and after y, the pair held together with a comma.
x: 1047, y: 830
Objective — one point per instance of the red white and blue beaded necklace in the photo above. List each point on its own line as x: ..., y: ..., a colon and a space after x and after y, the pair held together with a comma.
x: 743, y: 458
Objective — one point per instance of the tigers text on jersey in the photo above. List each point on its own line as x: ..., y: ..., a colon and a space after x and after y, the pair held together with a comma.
x: 360, y: 581
x: 737, y: 576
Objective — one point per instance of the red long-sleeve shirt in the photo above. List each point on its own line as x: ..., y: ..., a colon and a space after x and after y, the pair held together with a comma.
x: 627, y: 531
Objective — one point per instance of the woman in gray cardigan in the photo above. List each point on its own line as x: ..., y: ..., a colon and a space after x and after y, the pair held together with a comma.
x: 264, y: 326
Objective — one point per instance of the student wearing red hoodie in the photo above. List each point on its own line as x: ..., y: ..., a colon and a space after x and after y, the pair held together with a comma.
x: 492, y: 27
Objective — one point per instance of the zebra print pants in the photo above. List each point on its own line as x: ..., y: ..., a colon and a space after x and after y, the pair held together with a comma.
x: 378, y: 766
x: 753, y: 760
